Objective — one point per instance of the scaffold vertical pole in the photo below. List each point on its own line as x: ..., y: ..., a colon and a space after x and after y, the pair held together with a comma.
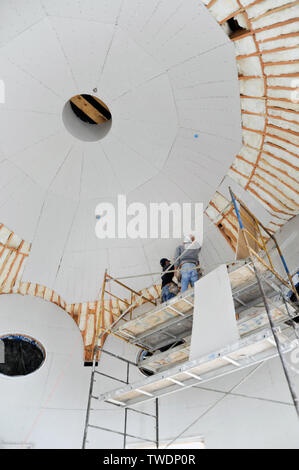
x: 126, y: 409
x: 157, y: 423
x: 261, y: 288
x: 94, y: 361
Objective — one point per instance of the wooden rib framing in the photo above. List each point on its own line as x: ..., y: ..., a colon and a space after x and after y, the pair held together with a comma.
x: 89, y: 110
x: 276, y: 199
x: 13, y: 254
x: 283, y: 138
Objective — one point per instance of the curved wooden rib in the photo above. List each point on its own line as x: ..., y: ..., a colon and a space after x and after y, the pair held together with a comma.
x: 267, y: 165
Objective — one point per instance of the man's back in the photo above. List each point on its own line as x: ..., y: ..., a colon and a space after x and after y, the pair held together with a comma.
x: 187, y: 253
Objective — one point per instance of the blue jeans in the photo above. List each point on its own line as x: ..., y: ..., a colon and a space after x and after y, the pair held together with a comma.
x: 189, y: 276
x: 166, y: 295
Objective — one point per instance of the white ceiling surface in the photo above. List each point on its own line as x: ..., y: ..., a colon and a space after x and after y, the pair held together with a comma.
x: 257, y: 414
x: 46, y: 408
x: 253, y: 402
x: 165, y: 69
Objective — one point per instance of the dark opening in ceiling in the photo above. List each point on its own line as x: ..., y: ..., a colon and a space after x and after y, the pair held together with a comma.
x: 235, y: 29
x: 87, y: 117
x: 146, y: 354
x: 22, y: 355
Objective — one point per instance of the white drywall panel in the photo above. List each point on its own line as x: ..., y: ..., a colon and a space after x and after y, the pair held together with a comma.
x: 214, y: 319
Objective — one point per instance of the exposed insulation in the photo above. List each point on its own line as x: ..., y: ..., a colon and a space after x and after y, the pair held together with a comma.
x: 267, y: 55
x: 86, y: 315
x: 13, y: 254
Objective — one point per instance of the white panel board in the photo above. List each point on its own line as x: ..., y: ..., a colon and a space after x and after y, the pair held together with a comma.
x: 127, y: 66
x: 43, y: 160
x: 168, y: 73
x: 23, y: 129
x: 17, y: 16
x: 104, y: 11
x: 19, y: 93
x: 47, y: 64
x: 46, y: 408
x: 21, y: 206
x: 49, y: 242
x: 132, y: 169
x: 81, y: 274
x: 85, y: 44
x: 214, y: 320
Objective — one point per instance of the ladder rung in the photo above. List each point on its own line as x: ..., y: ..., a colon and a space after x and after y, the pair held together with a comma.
x: 142, y: 412
x: 115, y: 402
x: 188, y: 302
x: 175, y: 381
x: 228, y: 359
x: 116, y: 356
x: 144, y: 392
x: 193, y: 375
x: 175, y: 310
x: 111, y: 377
x: 121, y: 433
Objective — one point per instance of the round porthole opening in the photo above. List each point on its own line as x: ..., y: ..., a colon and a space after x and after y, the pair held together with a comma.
x: 141, y: 357
x: 87, y: 117
x: 20, y: 355
x: 144, y: 355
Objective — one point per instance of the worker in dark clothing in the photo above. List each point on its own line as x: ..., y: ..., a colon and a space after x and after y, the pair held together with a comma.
x: 291, y: 295
x: 169, y: 287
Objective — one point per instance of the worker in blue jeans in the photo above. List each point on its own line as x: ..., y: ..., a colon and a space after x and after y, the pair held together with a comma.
x: 187, y: 259
x: 189, y: 275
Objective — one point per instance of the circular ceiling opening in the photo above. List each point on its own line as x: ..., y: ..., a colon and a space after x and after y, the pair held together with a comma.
x: 20, y: 355
x: 143, y: 355
x: 87, y: 118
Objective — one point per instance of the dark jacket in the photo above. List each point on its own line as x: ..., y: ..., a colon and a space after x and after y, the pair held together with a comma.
x: 167, y: 278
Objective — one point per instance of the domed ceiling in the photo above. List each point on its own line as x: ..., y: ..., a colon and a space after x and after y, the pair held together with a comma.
x: 168, y: 73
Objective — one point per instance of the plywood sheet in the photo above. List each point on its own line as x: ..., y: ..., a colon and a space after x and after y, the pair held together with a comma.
x: 168, y: 358
x: 241, y: 276
x: 158, y: 316
x: 249, y: 225
x: 258, y: 318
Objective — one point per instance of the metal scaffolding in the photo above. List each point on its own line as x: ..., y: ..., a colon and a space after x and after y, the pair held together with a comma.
x: 245, y: 353
x: 114, y: 403
x: 257, y: 289
x: 250, y: 240
x: 101, y: 334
